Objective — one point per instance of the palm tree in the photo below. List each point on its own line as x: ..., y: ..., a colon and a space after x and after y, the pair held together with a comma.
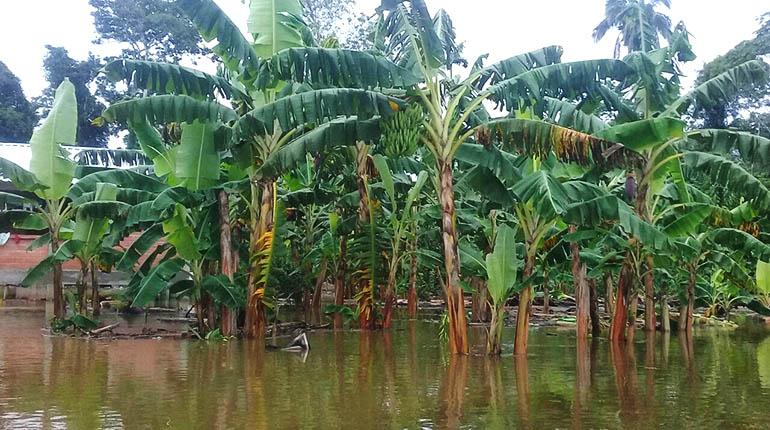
x: 639, y: 22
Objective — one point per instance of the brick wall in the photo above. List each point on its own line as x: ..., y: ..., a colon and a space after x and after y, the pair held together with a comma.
x: 16, y: 260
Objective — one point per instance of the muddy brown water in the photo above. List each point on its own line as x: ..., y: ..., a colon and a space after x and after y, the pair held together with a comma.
x: 397, y: 380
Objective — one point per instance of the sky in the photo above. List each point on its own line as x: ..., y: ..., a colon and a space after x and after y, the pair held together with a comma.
x: 499, y: 27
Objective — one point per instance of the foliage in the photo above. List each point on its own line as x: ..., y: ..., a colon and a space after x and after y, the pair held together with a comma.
x: 59, y: 65
x: 17, y: 116
x: 151, y: 29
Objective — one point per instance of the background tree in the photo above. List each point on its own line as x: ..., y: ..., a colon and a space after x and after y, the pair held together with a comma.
x: 59, y: 65
x: 338, y: 19
x: 151, y: 29
x: 727, y: 113
x: 639, y: 23
x: 17, y: 117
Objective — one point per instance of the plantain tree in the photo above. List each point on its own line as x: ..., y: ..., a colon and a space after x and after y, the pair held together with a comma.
x: 275, y: 99
x: 455, y: 113
x: 645, y: 113
x: 49, y: 177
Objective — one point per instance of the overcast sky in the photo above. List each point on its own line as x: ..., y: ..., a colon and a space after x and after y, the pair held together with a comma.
x: 499, y: 27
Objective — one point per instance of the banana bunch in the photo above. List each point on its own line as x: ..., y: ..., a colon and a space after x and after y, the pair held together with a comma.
x: 401, y: 132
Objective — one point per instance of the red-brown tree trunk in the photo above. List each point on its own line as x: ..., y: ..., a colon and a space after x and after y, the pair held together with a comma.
x: 620, y: 316
x: 228, y: 317
x: 458, y: 329
x: 650, y: 322
x: 525, y: 308
x: 596, y: 326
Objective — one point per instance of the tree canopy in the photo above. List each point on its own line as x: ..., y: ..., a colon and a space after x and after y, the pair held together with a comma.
x: 17, y: 116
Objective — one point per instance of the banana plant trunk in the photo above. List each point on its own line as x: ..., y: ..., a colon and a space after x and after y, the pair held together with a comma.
x: 596, y: 326
x: 686, y: 317
x: 260, y: 249
x: 390, y: 296
x: 339, y: 282
x: 458, y: 329
x: 496, y: 330
x: 582, y: 295
x: 411, y: 298
x: 59, y: 307
x: 665, y: 315
x: 228, y: 317
x: 96, y: 307
x: 525, y: 308
x: 317, y: 292
x: 649, y: 295
x: 609, y: 294
x: 620, y: 314
x: 366, y: 310
x: 82, y: 286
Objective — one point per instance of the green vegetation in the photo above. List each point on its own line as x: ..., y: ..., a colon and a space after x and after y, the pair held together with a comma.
x: 403, y: 171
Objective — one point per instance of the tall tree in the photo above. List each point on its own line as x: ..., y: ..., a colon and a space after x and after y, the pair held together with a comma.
x: 338, y: 19
x: 727, y: 113
x: 639, y: 22
x: 152, y: 29
x: 17, y: 117
x: 59, y: 65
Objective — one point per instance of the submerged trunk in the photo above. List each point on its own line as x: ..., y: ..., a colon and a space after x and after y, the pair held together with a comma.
x: 365, y: 287
x: 228, y: 317
x: 458, y: 330
x: 260, y: 252
x: 649, y: 295
x: 495, y: 335
x: 686, y: 317
x: 390, y: 296
x: 582, y: 295
x: 596, y: 326
x: 633, y: 311
x: 59, y: 307
x: 411, y: 299
x: 620, y: 314
x: 95, y: 305
x: 525, y: 305
x: 316, y: 305
x: 339, y: 282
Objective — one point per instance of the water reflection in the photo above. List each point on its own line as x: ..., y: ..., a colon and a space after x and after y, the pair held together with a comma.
x: 452, y: 392
x: 521, y: 367
x: 400, y: 379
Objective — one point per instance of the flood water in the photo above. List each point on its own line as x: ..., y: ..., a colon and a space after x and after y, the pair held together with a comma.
x: 396, y: 380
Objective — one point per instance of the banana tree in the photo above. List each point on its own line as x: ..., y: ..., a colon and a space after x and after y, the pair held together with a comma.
x: 179, y: 239
x: 455, y: 114
x: 400, y: 220
x: 49, y: 177
x: 502, y: 266
x: 648, y: 106
x: 283, y: 100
